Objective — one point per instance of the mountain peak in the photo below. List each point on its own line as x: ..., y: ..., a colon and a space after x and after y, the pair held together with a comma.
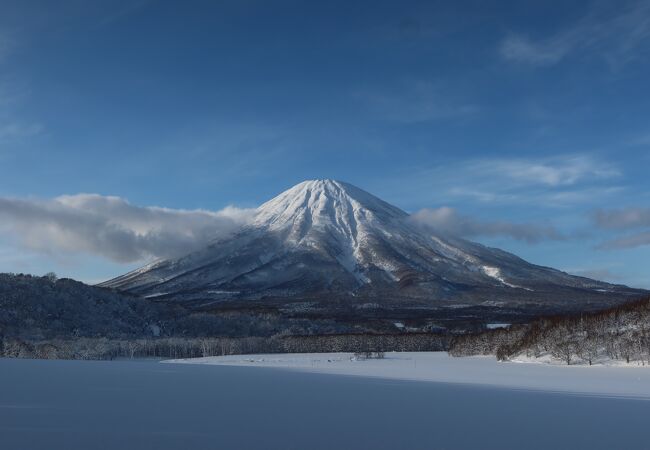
x: 335, y: 246
x: 325, y: 202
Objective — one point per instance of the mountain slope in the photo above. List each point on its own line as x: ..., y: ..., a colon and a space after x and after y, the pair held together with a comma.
x: 336, y: 249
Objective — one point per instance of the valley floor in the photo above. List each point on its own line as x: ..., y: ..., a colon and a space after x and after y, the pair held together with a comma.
x: 609, y: 381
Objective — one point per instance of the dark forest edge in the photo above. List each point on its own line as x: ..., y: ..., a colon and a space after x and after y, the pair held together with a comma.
x: 108, y: 349
x: 620, y: 333
x: 46, y: 317
x: 50, y: 318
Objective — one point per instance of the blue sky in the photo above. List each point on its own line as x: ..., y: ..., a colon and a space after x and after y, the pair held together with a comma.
x: 528, y: 120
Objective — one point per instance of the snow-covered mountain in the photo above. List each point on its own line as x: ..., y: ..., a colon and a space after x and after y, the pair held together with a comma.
x: 325, y: 245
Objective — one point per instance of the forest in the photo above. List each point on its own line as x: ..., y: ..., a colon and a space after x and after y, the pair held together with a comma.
x: 46, y: 317
x: 175, y: 347
x: 620, y: 334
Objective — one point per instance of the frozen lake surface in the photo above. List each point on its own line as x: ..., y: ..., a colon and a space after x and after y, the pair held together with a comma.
x: 147, y: 405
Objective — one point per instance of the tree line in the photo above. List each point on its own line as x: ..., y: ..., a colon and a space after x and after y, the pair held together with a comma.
x: 176, y: 347
x: 621, y: 333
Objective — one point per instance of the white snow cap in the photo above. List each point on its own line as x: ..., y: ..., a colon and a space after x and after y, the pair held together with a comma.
x: 325, y: 202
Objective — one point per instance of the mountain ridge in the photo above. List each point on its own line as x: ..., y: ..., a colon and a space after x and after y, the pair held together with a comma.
x: 330, y: 243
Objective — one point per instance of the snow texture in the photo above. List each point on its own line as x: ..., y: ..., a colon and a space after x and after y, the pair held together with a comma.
x: 628, y: 381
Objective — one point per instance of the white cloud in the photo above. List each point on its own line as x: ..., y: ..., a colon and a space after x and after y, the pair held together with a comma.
x: 113, y: 228
x: 614, y: 34
x: 448, y: 221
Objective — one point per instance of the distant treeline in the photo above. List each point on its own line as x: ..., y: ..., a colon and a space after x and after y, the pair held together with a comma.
x: 39, y: 309
x: 46, y: 317
x: 621, y: 333
x: 104, y: 348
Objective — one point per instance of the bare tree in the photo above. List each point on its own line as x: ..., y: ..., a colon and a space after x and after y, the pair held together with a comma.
x: 588, y: 349
x: 564, y: 350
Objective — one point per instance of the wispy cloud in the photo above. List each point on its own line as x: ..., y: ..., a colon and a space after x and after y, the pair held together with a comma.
x: 121, y: 11
x: 416, y: 101
x: 521, y: 49
x: 6, y: 46
x: 642, y: 140
x: 114, y: 228
x: 622, y: 219
x: 625, y: 219
x: 550, y: 181
x: 12, y: 127
x: 553, y: 172
x: 629, y: 241
x: 15, y: 131
x: 448, y: 221
x: 615, y: 35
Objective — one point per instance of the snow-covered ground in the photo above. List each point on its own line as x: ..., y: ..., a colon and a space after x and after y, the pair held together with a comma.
x: 600, y: 361
x: 630, y: 381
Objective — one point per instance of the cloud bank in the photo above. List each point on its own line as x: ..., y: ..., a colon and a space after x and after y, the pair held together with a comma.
x: 448, y: 221
x: 621, y: 220
x: 113, y: 228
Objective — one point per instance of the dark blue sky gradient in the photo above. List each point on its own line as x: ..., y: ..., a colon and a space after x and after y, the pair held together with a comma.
x: 203, y: 104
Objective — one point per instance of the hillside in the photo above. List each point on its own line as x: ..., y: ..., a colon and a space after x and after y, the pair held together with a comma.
x: 35, y: 308
x: 45, y: 317
x: 617, y: 335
